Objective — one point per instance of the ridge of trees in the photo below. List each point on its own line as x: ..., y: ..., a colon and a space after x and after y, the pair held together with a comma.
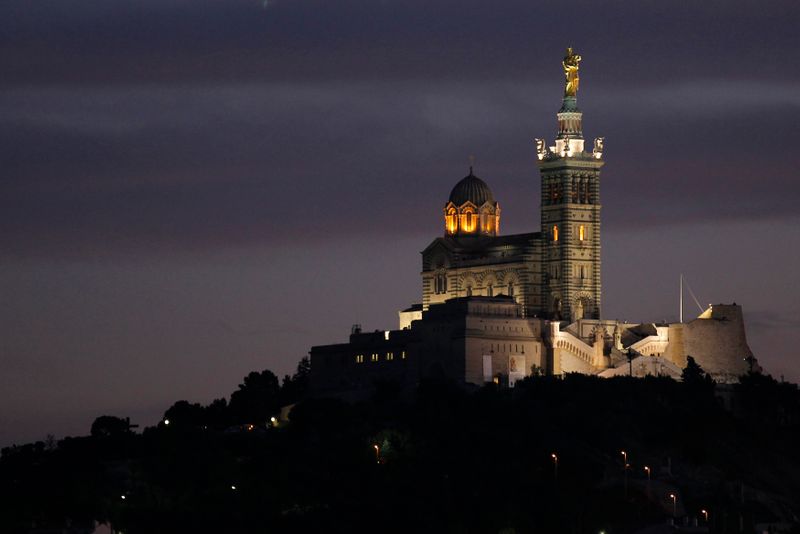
x: 462, y: 460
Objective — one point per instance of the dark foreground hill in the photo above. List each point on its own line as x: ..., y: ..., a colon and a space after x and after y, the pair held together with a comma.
x: 544, y: 457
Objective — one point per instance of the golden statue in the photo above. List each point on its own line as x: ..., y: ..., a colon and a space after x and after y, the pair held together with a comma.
x: 571, y: 66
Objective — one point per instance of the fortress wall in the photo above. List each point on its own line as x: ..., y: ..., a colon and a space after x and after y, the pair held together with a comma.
x: 716, y: 341
x: 675, y: 351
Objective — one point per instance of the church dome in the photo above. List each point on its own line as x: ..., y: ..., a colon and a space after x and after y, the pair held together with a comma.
x: 471, y: 189
x: 471, y: 210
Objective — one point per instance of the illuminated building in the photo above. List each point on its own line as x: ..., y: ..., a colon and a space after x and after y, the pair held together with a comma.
x: 500, y: 307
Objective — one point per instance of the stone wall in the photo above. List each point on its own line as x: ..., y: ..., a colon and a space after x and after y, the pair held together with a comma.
x: 716, y: 340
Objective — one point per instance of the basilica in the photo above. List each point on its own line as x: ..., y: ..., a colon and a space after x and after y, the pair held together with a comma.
x: 497, y: 308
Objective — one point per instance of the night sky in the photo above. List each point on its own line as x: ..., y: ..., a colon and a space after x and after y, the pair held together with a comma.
x: 192, y: 190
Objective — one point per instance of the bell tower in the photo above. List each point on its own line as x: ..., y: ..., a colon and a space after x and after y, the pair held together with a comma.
x: 570, y: 211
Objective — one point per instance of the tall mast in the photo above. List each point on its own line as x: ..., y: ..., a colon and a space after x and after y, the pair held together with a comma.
x: 681, y: 300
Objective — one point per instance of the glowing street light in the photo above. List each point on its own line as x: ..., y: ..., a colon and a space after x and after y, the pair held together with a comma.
x: 554, y: 456
x: 705, y: 514
x: 273, y: 421
x: 233, y: 488
x: 625, y: 466
x: 377, y: 452
x: 122, y: 497
x: 647, y: 470
x: 674, y: 504
x: 166, y: 422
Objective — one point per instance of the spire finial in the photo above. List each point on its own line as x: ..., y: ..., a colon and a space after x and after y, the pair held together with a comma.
x: 471, y: 163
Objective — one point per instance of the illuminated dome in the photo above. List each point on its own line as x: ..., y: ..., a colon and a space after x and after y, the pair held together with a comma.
x: 471, y: 189
x: 471, y: 209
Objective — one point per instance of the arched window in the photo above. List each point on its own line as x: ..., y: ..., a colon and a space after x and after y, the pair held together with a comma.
x: 469, y: 291
x: 581, y: 232
x: 490, y: 290
x: 487, y: 221
x: 511, y: 289
x: 469, y: 220
x: 555, y: 232
x: 440, y: 284
x: 451, y: 221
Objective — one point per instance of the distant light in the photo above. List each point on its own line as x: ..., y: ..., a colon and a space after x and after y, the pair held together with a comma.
x: 386, y: 335
x: 166, y: 421
x: 122, y: 497
x: 233, y: 488
x: 273, y: 421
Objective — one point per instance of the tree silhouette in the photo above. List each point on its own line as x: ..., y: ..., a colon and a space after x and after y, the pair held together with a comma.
x: 183, y: 414
x: 256, y: 399
x: 692, y: 374
x: 108, y: 426
x: 295, y: 387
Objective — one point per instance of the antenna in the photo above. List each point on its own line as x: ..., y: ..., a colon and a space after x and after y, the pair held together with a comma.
x: 680, y: 306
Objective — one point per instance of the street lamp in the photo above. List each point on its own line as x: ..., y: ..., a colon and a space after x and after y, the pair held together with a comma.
x: 674, y: 504
x: 705, y: 514
x: 625, y: 471
x: 647, y: 470
x: 377, y: 452
x: 554, y: 456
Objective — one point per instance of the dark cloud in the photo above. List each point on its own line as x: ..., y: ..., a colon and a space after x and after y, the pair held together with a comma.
x: 92, y: 42
x: 184, y: 167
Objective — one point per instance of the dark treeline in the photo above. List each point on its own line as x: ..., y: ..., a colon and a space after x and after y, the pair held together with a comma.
x: 441, y: 459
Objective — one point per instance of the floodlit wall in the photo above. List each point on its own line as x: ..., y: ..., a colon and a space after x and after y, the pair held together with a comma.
x: 716, y: 340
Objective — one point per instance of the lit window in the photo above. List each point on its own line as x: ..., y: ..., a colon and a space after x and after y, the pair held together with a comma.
x: 389, y: 356
x: 451, y: 222
x: 403, y: 354
x: 359, y: 358
x: 581, y: 232
x: 555, y: 233
x: 374, y: 356
x: 469, y: 220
